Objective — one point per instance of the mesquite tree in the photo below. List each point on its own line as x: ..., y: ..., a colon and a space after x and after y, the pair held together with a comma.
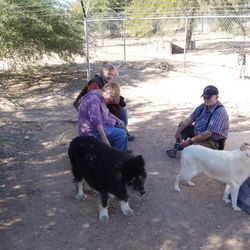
x: 30, y: 29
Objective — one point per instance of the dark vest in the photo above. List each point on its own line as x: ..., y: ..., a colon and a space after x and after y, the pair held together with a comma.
x: 96, y: 79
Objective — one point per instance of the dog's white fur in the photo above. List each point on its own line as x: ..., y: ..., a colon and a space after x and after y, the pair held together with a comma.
x: 231, y: 167
x: 103, y: 211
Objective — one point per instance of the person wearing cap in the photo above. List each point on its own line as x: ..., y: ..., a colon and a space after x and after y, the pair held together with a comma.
x: 207, y: 125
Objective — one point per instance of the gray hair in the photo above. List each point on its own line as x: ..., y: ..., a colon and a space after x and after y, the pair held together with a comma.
x: 107, y: 67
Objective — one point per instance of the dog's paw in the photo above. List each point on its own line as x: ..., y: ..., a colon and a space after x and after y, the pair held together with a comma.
x: 227, y: 201
x: 125, y: 208
x: 128, y: 212
x: 81, y: 197
x: 104, y: 218
x: 103, y: 214
x: 177, y: 188
x: 236, y: 208
x: 190, y: 183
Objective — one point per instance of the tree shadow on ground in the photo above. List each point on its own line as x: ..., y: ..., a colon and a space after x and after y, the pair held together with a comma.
x: 39, y: 211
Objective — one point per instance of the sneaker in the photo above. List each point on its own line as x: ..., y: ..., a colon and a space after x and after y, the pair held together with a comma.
x: 173, y: 153
x: 130, y: 137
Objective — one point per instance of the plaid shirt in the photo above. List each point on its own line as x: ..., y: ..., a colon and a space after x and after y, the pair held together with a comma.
x: 218, y: 124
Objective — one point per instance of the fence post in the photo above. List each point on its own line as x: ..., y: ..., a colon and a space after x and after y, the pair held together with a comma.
x: 185, y: 43
x: 85, y: 23
x: 124, y: 40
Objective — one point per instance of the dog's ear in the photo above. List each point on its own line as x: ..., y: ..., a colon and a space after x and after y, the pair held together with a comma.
x: 118, y: 175
x: 140, y: 160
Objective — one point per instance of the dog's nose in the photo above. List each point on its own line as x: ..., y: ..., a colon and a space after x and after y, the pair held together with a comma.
x: 142, y: 192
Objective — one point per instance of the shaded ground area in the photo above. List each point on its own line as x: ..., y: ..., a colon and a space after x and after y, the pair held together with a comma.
x: 37, y: 205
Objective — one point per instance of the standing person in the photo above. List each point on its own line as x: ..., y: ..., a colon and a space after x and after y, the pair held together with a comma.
x: 107, y: 73
x: 95, y: 119
x: 207, y: 126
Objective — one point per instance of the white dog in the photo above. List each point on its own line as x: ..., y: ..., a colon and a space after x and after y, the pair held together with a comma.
x: 231, y: 167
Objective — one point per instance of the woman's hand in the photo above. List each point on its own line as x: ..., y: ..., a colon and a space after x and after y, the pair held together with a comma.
x: 119, y: 124
x: 102, y: 134
x: 105, y: 140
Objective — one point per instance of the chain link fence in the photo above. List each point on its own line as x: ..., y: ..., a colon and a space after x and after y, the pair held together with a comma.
x: 220, y: 42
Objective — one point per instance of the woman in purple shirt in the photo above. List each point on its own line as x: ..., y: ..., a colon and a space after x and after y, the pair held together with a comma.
x: 95, y: 119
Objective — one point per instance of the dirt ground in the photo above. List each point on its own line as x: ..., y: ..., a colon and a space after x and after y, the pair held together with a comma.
x: 37, y: 205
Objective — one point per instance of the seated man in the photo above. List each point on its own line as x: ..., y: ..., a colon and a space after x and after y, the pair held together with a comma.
x: 95, y: 119
x: 207, y: 126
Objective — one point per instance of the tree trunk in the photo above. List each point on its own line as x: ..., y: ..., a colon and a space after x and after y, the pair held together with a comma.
x: 190, y: 29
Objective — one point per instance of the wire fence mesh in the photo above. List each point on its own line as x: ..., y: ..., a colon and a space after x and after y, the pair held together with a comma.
x: 218, y: 41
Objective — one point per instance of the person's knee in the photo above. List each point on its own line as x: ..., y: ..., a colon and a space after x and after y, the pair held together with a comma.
x: 123, y: 134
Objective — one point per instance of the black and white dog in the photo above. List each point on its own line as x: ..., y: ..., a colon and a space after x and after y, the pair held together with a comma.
x: 107, y: 170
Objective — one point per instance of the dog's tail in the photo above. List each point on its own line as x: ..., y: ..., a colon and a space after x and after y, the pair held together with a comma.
x: 176, y: 185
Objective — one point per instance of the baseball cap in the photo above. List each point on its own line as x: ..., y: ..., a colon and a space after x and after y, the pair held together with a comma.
x: 209, y: 91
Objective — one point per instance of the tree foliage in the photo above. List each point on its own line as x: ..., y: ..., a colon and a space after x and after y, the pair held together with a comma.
x: 32, y: 28
x: 142, y: 9
x: 157, y: 8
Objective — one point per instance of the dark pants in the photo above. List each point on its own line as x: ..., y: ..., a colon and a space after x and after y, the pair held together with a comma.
x: 189, y: 133
x: 119, y: 112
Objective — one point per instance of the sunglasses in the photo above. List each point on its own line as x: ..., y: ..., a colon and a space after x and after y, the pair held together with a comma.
x: 207, y: 98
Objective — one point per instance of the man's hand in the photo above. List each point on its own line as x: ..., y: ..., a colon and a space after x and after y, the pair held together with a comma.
x: 186, y: 143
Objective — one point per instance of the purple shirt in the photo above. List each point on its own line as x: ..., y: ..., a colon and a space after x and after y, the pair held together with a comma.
x: 93, y: 112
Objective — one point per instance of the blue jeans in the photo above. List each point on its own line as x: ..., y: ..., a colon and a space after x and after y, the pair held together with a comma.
x: 119, y: 112
x: 122, y: 114
x: 117, y: 138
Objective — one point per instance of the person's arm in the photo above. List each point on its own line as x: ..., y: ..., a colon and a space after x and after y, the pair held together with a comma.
x: 187, y: 122
x: 119, y: 122
x: 90, y: 86
x: 102, y: 134
x: 95, y: 117
x: 198, y: 138
x: 76, y: 102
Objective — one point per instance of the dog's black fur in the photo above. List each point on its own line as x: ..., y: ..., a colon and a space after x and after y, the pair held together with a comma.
x: 105, y: 169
